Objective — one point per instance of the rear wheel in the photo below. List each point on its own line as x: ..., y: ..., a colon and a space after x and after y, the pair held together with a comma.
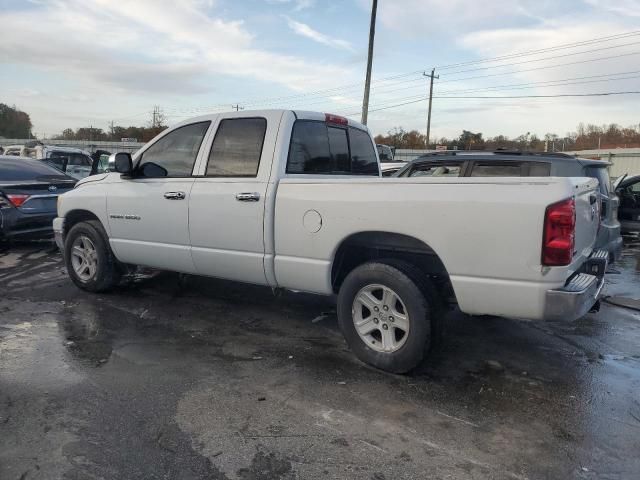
x: 385, y: 312
x: 89, y: 259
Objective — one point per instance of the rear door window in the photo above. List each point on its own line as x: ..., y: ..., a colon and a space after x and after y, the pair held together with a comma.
x: 437, y: 169
x: 237, y: 148
x: 318, y: 148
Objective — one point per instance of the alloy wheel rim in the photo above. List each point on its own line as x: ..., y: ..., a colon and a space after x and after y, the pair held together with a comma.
x: 380, y: 318
x: 84, y: 258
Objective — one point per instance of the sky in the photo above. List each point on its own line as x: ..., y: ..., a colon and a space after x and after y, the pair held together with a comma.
x: 79, y: 63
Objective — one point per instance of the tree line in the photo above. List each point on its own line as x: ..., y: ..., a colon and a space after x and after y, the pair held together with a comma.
x: 586, y: 137
x: 14, y: 123
x: 115, y: 133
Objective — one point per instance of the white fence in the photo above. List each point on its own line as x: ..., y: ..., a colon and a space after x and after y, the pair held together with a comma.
x: 90, y: 146
x: 624, y: 160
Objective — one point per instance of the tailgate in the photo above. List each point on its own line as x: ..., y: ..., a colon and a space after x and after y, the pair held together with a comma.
x: 587, y: 217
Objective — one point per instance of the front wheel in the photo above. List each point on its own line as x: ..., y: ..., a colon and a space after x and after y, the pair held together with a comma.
x: 385, y: 314
x: 89, y: 259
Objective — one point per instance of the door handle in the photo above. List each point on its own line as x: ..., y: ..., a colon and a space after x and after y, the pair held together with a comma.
x: 174, y: 195
x: 248, y: 197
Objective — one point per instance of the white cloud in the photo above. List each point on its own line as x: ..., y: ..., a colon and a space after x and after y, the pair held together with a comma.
x: 630, y: 8
x: 298, y: 4
x: 148, y: 46
x: 305, y: 30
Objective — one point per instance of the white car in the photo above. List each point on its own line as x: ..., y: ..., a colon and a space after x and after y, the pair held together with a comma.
x: 295, y: 200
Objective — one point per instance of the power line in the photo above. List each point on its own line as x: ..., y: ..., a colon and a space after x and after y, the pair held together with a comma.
x: 545, y: 67
x: 550, y: 83
x: 358, y: 85
x: 553, y: 57
x: 542, y: 50
x: 423, y: 99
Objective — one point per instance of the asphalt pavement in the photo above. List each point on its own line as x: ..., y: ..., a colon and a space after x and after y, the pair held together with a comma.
x: 174, y: 377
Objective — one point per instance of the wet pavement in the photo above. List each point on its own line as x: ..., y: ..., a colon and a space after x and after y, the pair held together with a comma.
x: 175, y: 377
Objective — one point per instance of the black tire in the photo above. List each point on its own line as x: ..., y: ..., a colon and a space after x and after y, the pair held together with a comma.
x: 107, y: 274
x: 420, y: 300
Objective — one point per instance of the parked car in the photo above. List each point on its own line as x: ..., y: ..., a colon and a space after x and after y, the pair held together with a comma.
x: 294, y: 200
x: 529, y: 164
x: 29, y: 192
x: 628, y: 189
x: 73, y: 161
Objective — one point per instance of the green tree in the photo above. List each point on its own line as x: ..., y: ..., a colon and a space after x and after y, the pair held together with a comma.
x: 14, y: 123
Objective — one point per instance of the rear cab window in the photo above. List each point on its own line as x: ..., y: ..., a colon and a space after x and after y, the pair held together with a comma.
x: 321, y: 148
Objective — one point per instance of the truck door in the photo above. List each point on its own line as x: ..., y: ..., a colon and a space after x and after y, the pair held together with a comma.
x: 148, y: 213
x: 227, y: 205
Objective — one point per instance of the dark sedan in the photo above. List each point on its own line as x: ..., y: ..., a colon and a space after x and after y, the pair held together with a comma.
x: 29, y: 192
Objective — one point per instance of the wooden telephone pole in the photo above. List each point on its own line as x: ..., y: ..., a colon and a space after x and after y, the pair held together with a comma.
x: 431, y: 77
x: 367, y: 82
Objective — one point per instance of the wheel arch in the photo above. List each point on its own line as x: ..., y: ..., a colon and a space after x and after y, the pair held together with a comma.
x: 361, y: 247
x: 76, y: 216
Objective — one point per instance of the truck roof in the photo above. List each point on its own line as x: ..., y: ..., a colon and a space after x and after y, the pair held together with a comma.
x: 300, y: 114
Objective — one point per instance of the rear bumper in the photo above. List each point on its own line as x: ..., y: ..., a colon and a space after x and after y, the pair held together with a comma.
x: 581, y: 292
x: 58, y: 232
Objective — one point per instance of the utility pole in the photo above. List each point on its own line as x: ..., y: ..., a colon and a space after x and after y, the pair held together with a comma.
x: 111, y: 128
x: 431, y: 77
x: 237, y: 107
x: 367, y: 81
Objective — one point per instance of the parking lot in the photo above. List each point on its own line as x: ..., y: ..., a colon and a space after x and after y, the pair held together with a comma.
x: 193, y: 378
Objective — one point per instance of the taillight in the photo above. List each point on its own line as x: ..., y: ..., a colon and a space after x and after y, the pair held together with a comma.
x: 17, y: 199
x: 335, y: 119
x: 558, y: 240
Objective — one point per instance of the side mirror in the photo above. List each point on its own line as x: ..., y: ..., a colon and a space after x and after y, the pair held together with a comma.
x: 121, y: 162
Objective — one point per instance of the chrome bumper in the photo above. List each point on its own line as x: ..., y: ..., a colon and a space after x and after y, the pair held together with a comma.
x: 58, y: 232
x: 580, y: 294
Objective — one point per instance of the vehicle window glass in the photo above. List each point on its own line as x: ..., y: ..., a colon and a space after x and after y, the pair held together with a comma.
x: 496, y: 170
x: 237, y: 148
x: 309, y: 151
x: 602, y: 174
x: 57, y: 161
x: 384, y: 153
x: 339, y: 148
x: 175, y: 153
x: 25, y: 169
x: 103, y: 163
x: 79, y: 159
x: 539, y: 169
x: 363, y: 156
x: 436, y: 170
